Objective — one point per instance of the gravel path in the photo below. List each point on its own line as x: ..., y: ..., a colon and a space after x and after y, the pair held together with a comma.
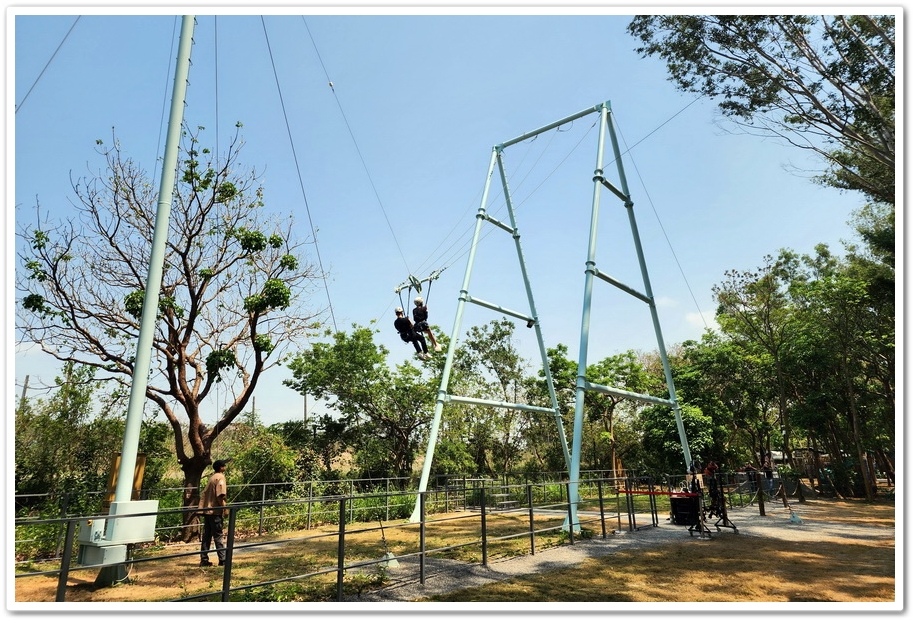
x: 443, y: 576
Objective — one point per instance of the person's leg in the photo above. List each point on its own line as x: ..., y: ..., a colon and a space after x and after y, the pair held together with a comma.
x: 205, y: 539
x: 218, y: 538
x: 422, y: 341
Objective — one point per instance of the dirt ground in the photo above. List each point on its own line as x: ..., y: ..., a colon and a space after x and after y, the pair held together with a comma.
x: 843, y: 552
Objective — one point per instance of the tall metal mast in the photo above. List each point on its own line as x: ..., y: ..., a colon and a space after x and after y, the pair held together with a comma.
x: 107, y: 542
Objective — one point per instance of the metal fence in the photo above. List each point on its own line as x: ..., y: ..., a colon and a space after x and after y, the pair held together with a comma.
x: 480, y: 513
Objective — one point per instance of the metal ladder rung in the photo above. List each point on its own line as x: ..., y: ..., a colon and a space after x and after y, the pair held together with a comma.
x: 622, y: 393
x: 496, y: 403
x: 503, y: 310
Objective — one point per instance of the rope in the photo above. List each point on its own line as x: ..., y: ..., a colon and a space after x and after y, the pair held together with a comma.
x: 299, y: 174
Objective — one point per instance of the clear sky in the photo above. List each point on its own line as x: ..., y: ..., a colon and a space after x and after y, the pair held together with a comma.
x: 402, y: 142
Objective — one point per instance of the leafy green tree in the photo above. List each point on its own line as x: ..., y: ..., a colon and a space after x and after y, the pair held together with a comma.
x: 56, y: 450
x: 258, y: 456
x: 734, y: 387
x: 834, y: 303
x: 66, y: 443
x: 661, y: 443
x: 755, y: 311
x: 823, y: 83
x: 545, y: 451
x: 493, y: 365
x: 231, y: 299
x: 621, y: 371
x: 389, y: 408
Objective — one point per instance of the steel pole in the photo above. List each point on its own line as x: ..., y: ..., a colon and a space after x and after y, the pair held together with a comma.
x: 154, y: 278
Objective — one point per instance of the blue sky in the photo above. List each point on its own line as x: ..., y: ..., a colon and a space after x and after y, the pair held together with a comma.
x: 426, y: 97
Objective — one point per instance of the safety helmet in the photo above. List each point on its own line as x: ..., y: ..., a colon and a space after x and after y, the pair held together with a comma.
x: 398, y: 310
x: 418, y: 300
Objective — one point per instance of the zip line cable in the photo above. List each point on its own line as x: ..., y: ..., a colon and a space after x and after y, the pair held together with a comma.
x: 658, y: 127
x: 356, y: 145
x: 299, y: 174
x: 658, y: 218
x: 60, y: 45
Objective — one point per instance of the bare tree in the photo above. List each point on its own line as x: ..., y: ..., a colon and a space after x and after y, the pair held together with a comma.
x: 233, y: 299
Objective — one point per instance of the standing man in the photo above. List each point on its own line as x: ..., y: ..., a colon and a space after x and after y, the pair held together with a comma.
x: 213, y: 509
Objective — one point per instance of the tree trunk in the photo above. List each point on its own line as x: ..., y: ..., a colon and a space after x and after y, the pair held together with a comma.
x: 193, y: 472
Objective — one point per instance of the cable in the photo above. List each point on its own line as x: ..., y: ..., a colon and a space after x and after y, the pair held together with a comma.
x: 356, y: 145
x: 657, y: 128
x: 66, y: 36
x: 216, y: 81
x: 658, y: 218
x: 165, y: 89
x: 299, y: 174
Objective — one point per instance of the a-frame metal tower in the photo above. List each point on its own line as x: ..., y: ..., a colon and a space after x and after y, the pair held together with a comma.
x: 600, y: 182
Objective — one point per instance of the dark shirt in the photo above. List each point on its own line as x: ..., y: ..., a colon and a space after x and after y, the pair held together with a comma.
x: 403, y: 325
x: 420, y: 313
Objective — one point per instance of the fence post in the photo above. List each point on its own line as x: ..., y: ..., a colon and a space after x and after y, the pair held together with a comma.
x: 227, y: 561
x: 601, y: 508
x: 387, y: 499
x: 341, y: 531
x: 308, y: 518
x: 65, y: 562
x: 261, y: 511
x: 422, y: 537
x: 653, y: 502
x: 530, y: 516
x: 64, y: 506
x: 617, y: 496
x: 483, y: 527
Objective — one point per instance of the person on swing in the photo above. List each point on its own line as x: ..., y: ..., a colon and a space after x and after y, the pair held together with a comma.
x: 420, y: 316
x: 407, y: 332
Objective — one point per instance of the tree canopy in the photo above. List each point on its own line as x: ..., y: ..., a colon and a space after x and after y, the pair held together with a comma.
x: 233, y: 298
x: 824, y: 83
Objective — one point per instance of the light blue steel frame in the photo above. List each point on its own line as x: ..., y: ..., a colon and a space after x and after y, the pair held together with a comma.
x: 582, y: 385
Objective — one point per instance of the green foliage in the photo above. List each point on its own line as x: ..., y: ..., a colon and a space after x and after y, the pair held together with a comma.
x: 661, y: 442
x: 384, y: 412
x: 39, y: 239
x: 219, y: 360
x: 226, y: 192
x: 822, y: 83
x: 276, y: 294
x: 263, y: 343
x: 133, y: 305
x: 36, y: 303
